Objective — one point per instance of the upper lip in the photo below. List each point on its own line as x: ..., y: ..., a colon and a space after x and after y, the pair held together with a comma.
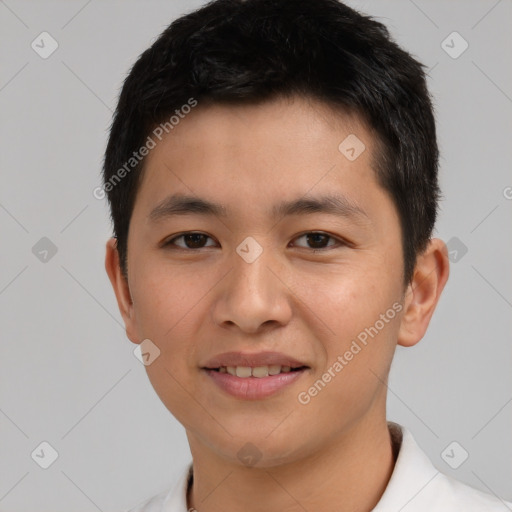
x: 252, y: 359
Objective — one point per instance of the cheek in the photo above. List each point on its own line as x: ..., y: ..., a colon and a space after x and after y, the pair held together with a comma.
x: 349, y: 301
x: 166, y: 313
x: 363, y: 321
x: 164, y: 300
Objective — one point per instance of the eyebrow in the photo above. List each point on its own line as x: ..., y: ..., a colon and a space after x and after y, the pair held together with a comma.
x: 332, y: 204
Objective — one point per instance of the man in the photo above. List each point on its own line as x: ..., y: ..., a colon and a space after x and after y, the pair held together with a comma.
x: 272, y: 177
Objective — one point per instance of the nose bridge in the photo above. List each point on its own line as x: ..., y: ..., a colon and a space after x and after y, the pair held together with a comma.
x: 251, y: 273
x: 252, y: 294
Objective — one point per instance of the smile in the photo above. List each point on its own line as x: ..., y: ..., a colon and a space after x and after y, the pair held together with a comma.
x: 254, y: 383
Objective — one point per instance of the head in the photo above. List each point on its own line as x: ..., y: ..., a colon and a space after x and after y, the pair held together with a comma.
x: 279, y: 112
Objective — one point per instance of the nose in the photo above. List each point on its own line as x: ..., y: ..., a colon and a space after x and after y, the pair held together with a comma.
x: 253, y: 295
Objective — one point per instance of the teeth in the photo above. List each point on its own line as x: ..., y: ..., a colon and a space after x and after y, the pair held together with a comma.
x: 274, y: 369
x: 257, y: 371
x: 260, y: 371
x: 243, y: 371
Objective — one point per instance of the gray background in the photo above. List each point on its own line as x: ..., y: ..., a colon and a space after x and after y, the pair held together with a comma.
x: 68, y: 373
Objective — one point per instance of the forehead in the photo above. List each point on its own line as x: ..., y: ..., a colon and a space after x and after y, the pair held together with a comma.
x: 290, y: 121
x: 248, y: 155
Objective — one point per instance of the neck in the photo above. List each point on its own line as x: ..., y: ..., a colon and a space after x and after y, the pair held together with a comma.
x: 348, y: 474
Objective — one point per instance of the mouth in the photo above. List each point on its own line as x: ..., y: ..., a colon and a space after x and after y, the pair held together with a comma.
x: 253, y: 376
x: 254, y: 382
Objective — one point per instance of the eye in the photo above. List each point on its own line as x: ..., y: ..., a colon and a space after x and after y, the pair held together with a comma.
x: 191, y: 240
x: 195, y: 240
x: 318, y: 240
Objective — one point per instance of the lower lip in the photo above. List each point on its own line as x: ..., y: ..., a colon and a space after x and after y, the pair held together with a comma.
x: 253, y: 388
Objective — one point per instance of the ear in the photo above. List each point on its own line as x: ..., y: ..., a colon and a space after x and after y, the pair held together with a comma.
x: 430, y: 275
x: 121, y: 289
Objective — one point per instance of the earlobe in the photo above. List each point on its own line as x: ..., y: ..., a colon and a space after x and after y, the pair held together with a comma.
x: 423, y: 293
x: 121, y: 288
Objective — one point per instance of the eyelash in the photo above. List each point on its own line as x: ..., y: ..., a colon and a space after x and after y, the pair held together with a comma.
x: 169, y: 244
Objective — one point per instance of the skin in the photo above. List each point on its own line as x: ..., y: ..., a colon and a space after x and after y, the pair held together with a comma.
x: 335, y: 453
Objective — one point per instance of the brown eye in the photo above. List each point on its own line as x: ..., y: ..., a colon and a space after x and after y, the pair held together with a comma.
x: 191, y: 241
x: 318, y: 240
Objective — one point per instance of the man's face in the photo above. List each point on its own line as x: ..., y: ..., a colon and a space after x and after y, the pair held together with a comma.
x: 320, y: 280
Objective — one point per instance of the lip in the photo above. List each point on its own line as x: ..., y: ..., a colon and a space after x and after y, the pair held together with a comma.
x: 252, y: 359
x: 253, y: 388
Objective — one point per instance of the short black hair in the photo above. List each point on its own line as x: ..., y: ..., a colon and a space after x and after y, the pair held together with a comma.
x: 249, y: 51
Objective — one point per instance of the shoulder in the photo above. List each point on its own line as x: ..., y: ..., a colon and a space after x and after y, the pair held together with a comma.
x: 416, y: 485
x: 450, y: 494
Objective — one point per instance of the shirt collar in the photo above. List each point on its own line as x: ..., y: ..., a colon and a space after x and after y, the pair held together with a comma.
x: 412, y: 472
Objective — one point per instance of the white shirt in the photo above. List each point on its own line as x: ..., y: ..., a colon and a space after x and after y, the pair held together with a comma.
x: 415, y: 486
